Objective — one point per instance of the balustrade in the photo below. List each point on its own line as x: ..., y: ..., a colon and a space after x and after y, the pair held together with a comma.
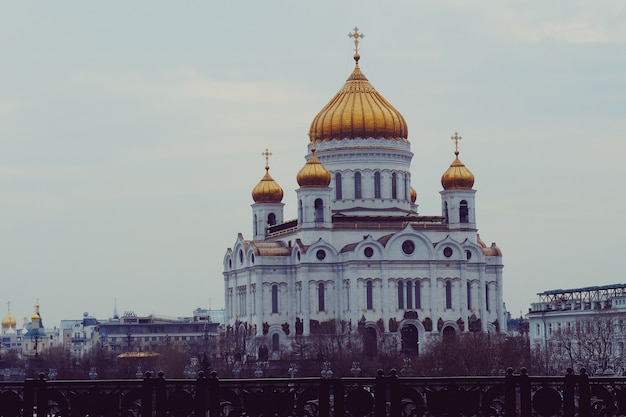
x: 512, y: 395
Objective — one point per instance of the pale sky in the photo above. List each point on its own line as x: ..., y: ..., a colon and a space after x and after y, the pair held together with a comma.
x: 131, y: 135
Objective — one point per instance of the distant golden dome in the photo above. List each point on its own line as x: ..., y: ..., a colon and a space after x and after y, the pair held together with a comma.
x: 267, y: 190
x: 413, y: 195
x: 313, y: 173
x: 9, y: 321
x: 358, y: 111
x: 457, y: 177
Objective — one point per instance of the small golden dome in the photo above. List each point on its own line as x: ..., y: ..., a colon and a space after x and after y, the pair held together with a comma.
x: 267, y: 190
x: 9, y: 321
x: 457, y: 177
x: 35, y: 317
x: 313, y: 173
x: 358, y: 111
x: 413, y: 195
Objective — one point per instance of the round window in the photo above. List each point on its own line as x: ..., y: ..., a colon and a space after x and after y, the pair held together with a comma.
x: 408, y: 247
x: 447, y: 252
x: 320, y: 254
x: 368, y: 252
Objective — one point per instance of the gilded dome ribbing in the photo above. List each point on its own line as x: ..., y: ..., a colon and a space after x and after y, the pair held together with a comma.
x: 457, y: 176
x: 358, y: 111
x: 313, y: 173
x: 267, y: 190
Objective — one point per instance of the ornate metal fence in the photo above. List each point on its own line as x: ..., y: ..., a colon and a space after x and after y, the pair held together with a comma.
x: 515, y: 394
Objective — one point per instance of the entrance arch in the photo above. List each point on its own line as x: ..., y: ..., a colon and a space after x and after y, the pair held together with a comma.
x: 370, y: 342
x: 410, y: 337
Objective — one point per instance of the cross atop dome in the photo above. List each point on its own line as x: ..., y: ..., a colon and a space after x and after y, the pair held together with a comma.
x: 267, y: 155
x: 456, y: 138
x: 356, y: 36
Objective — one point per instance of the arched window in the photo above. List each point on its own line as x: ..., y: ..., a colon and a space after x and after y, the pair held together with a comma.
x: 320, y: 297
x: 448, y: 294
x: 271, y: 219
x: 418, y: 294
x: 445, y: 211
x: 469, y: 295
x: 394, y: 185
x: 409, y: 294
x: 299, y: 211
x: 401, y: 295
x: 357, y: 185
x: 369, y: 296
x: 463, y: 212
x: 407, y: 194
x: 274, y: 299
x: 319, y: 210
x: 487, y: 297
x: 377, y: 185
x: 338, y: 188
x: 254, y: 226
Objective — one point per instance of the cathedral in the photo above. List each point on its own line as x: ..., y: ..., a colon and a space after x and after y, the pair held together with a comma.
x: 359, y: 257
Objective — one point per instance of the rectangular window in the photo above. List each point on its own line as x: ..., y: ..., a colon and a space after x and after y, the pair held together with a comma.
x: 320, y: 297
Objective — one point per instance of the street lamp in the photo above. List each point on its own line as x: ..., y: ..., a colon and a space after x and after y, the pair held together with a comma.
x: 293, y: 370
x: 35, y: 325
x: 327, y: 372
x: 356, y: 368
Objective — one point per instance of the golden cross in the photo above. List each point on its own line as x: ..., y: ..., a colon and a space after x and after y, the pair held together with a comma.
x: 356, y: 36
x: 267, y: 155
x: 456, y: 138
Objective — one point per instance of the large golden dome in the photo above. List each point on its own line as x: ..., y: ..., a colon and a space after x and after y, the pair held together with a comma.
x: 457, y: 176
x: 9, y: 321
x: 358, y: 111
x: 313, y: 173
x: 267, y: 190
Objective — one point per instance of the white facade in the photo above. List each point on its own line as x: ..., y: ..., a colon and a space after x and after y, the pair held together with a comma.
x: 359, y: 253
x: 581, y: 327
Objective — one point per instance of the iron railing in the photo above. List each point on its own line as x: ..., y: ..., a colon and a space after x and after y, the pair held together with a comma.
x: 511, y: 395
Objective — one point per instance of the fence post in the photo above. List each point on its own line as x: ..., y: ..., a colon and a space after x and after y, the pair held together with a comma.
x: 394, y: 395
x: 568, y: 393
x: 339, y: 397
x: 201, y: 395
x: 510, y: 400
x: 213, y: 385
x: 29, y: 397
x: 324, y: 398
x: 160, y: 401
x: 146, y: 396
x: 41, y: 398
x: 524, y: 393
x: 380, y: 394
x: 584, y: 394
